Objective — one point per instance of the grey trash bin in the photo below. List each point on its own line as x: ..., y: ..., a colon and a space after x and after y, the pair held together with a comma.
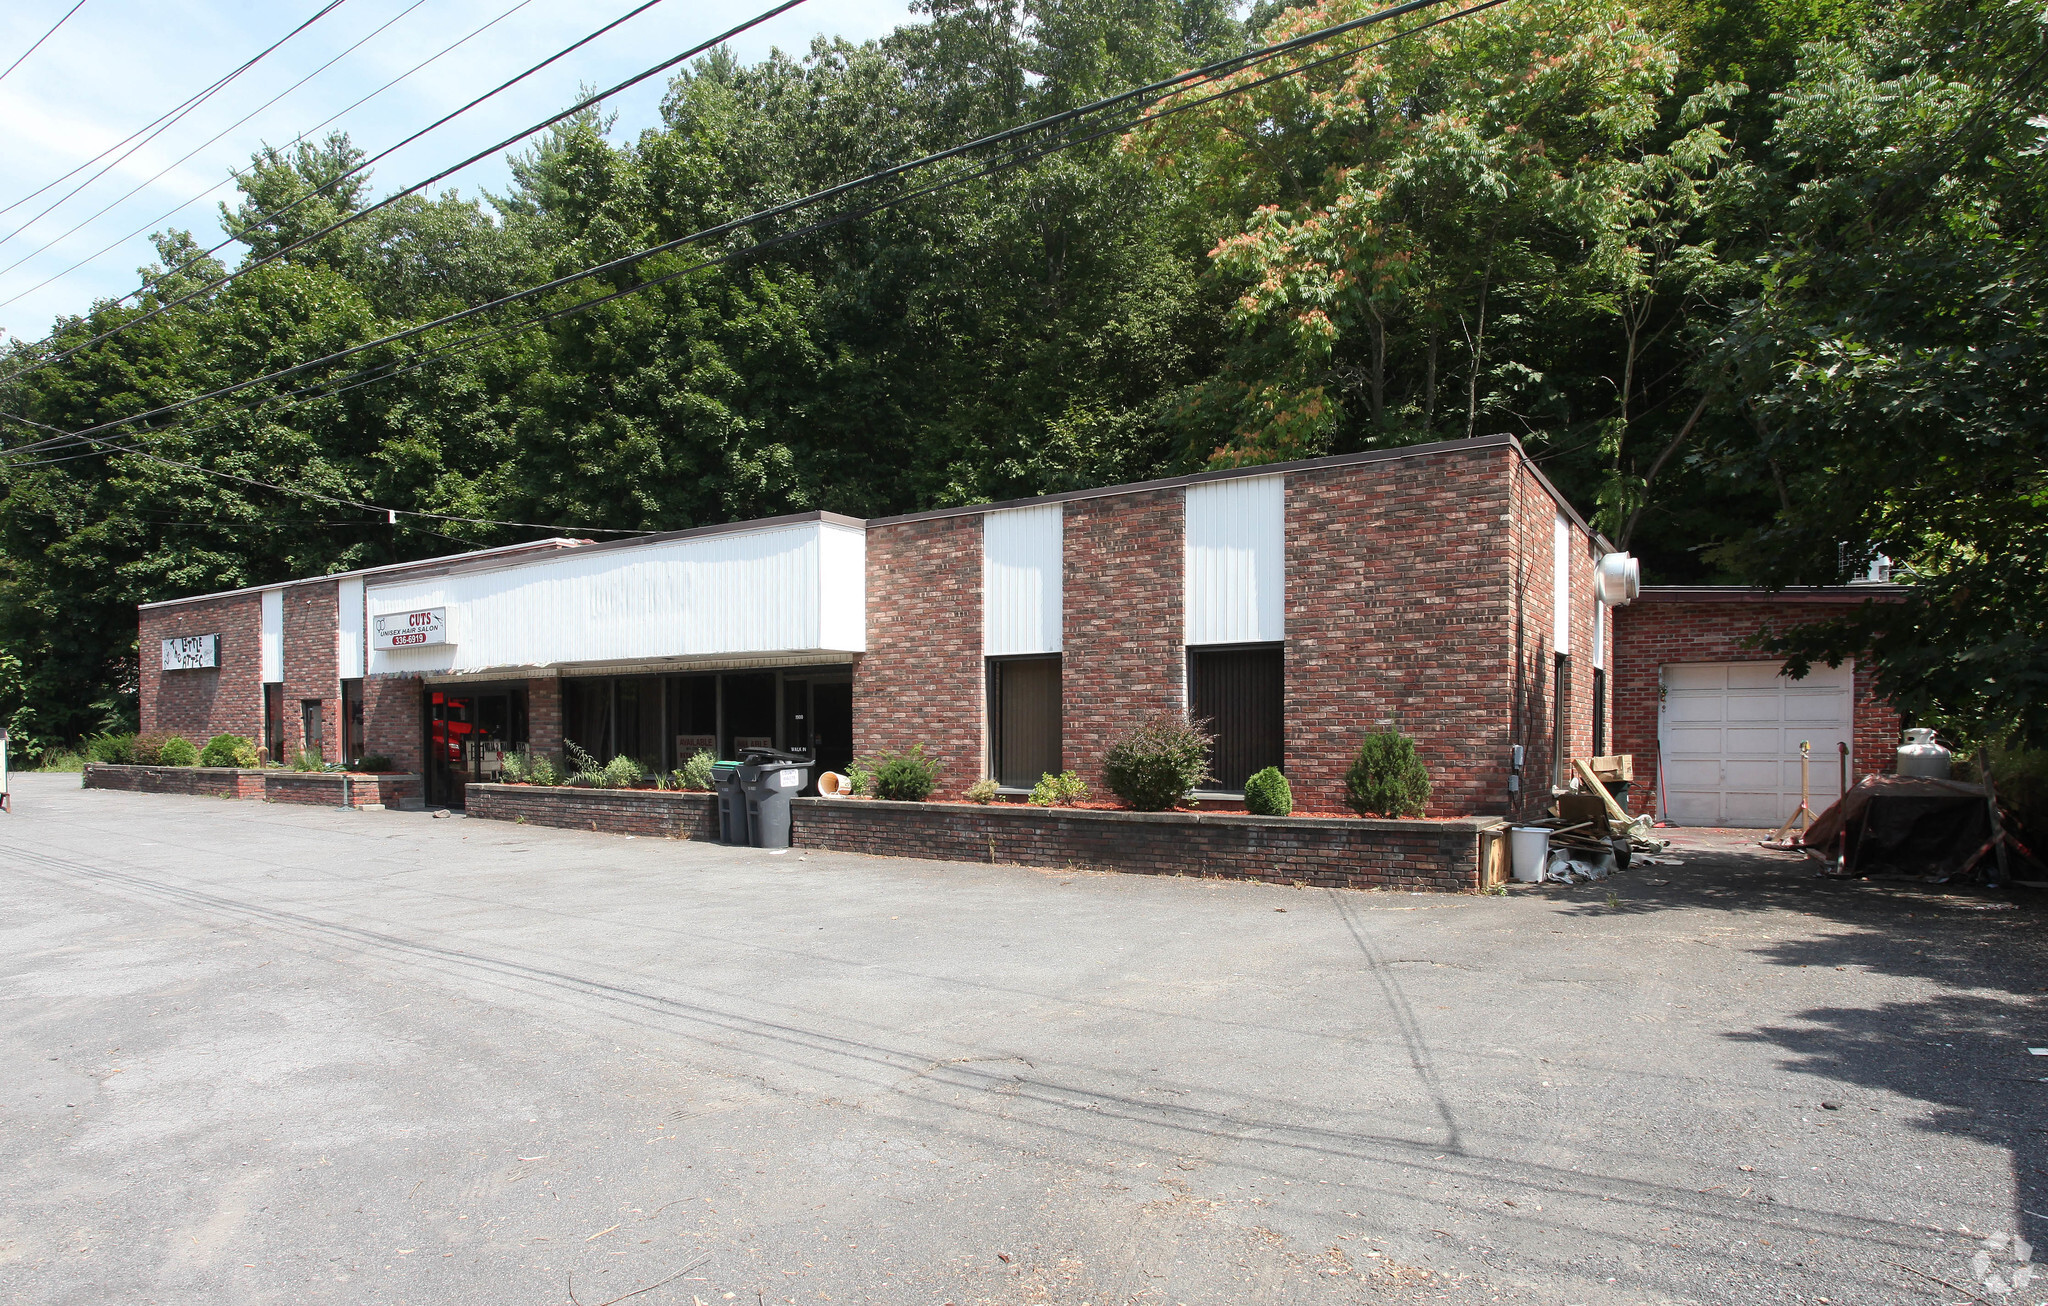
x: 732, y: 802
x: 771, y: 779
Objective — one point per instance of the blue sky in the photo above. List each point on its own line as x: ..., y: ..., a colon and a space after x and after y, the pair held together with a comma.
x: 118, y: 64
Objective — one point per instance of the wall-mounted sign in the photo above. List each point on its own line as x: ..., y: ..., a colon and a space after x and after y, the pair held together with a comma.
x: 191, y: 652
x: 409, y: 629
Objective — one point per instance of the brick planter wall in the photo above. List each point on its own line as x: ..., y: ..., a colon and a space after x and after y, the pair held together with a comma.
x: 1332, y: 852
x: 314, y: 788
x: 661, y: 813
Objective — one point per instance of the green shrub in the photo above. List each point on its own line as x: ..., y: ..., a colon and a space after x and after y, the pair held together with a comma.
x: 2021, y: 778
x: 695, y: 773
x: 982, y: 791
x: 903, y: 777
x: 228, y: 750
x: 308, y: 760
x: 1159, y: 763
x: 859, y: 779
x: 176, y: 750
x: 524, y: 766
x: 1387, y: 779
x: 373, y: 762
x: 1062, y: 790
x: 621, y: 772
x: 1267, y: 794
x: 149, y: 749
x: 111, y: 749
x: 60, y: 759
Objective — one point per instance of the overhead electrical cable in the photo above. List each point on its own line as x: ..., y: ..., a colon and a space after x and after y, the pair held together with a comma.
x: 1209, y: 72
x: 393, y: 198
x: 40, y: 39
x: 170, y: 120
x: 1024, y: 153
x: 163, y: 172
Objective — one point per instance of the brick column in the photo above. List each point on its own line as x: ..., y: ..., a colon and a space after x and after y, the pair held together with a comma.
x: 544, y: 717
x: 921, y: 679
x: 1125, y: 622
x: 392, y: 724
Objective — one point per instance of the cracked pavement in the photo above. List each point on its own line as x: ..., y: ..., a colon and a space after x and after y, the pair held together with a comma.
x: 261, y: 1053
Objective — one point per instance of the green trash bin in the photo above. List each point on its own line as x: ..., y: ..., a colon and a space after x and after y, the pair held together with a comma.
x: 732, y: 802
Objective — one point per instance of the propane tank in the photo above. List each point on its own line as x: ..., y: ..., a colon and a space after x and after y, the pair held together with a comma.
x: 1921, y: 756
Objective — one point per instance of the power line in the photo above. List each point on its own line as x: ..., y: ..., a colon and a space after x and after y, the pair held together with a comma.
x: 80, y: 226
x: 44, y: 37
x: 1021, y: 154
x: 395, y: 196
x: 170, y: 120
x: 1209, y: 71
x: 239, y: 173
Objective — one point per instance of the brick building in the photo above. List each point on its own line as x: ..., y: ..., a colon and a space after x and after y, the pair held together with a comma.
x: 1445, y: 588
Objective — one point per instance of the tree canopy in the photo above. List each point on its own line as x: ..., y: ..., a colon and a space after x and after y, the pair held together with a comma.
x: 1760, y: 283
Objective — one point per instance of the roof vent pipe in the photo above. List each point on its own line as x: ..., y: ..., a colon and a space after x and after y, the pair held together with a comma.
x: 1620, y: 579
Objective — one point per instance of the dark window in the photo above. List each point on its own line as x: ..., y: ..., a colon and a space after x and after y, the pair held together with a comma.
x: 312, y: 728
x: 1560, y: 725
x: 1024, y: 726
x: 639, y: 728
x: 796, y: 716
x: 693, y: 715
x: 832, y: 724
x: 351, y: 720
x: 749, y: 711
x: 1241, y: 693
x: 587, y: 715
x: 1599, y: 712
x: 273, y: 722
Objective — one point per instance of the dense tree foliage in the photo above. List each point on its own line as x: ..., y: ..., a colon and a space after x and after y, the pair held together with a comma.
x: 1760, y: 282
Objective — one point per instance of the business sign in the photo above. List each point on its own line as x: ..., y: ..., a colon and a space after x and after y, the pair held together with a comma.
x: 409, y: 629
x: 191, y: 652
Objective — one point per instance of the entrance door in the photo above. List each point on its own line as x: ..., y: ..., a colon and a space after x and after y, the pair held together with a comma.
x: 1728, y: 734
x: 467, y: 738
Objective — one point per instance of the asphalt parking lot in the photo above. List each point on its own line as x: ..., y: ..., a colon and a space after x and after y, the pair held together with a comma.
x: 258, y: 1053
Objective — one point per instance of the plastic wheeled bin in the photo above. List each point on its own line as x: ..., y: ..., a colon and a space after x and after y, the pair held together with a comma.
x: 770, y: 779
x: 732, y: 802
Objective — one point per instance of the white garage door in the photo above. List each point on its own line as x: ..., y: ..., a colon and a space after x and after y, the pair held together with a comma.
x: 1729, y: 736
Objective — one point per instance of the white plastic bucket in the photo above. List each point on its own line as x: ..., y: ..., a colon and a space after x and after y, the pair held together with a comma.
x: 833, y: 785
x: 1529, y: 848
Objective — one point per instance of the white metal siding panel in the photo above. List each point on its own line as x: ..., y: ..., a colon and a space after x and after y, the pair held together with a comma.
x: 1729, y: 734
x: 1022, y: 581
x: 1237, y: 560
x: 272, y: 638
x: 746, y: 592
x: 843, y: 588
x: 349, y: 636
x: 1561, y: 585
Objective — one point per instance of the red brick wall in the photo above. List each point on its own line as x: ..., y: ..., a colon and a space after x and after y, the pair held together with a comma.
x: 1397, y: 601
x: 311, y: 664
x: 392, y: 724
x: 544, y: 717
x: 1332, y: 853
x: 1653, y: 633
x: 201, y: 704
x: 1125, y: 624
x: 1532, y: 636
x: 921, y: 679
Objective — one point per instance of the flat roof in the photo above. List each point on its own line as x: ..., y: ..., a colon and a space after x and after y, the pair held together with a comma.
x: 1839, y: 594
x: 550, y: 544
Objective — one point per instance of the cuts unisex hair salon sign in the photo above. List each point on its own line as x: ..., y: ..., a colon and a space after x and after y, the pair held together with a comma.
x: 191, y: 652
x: 409, y: 629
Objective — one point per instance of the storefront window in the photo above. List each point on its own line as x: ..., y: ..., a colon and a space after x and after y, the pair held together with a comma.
x: 1240, y: 691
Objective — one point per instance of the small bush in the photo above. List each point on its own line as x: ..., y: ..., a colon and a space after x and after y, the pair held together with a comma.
x: 111, y: 749
x: 1267, y: 794
x: 1062, y: 790
x: 621, y: 772
x: 149, y: 749
x: 859, y: 779
x: 1387, y: 779
x: 308, y: 760
x: 524, y: 766
x: 60, y: 759
x: 695, y: 773
x: 903, y: 777
x: 1159, y: 763
x: 374, y: 763
x: 176, y: 750
x: 228, y: 750
x: 982, y: 791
